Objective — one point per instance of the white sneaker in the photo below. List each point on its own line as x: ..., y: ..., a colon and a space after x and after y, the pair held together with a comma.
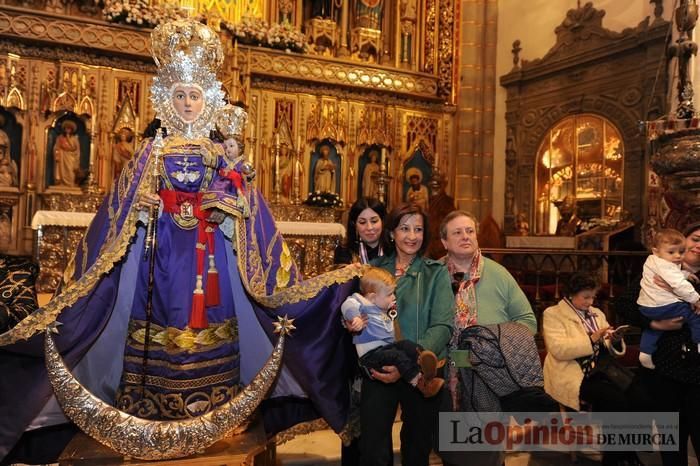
x: 646, y: 361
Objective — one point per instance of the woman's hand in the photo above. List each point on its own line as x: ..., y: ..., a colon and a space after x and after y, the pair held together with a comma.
x: 598, y: 334
x: 390, y: 374
x: 675, y: 323
x: 216, y: 216
x: 147, y: 200
x: 661, y: 283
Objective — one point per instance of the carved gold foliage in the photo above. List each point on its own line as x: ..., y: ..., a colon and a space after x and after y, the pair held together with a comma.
x: 421, y: 132
x: 375, y: 126
x: 280, y: 64
x: 446, y: 48
x: 430, y: 35
x: 326, y: 121
x: 73, y: 32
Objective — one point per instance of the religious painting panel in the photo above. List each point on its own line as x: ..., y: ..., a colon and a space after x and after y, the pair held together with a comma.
x: 68, y: 152
x: 325, y: 168
x: 368, y: 170
x: 416, y: 174
x: 10, y: 150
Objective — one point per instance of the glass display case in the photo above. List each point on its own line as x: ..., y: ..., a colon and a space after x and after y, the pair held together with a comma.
x: 579, y: 174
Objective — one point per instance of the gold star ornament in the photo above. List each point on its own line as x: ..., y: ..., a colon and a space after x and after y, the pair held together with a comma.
x: 284, y: 325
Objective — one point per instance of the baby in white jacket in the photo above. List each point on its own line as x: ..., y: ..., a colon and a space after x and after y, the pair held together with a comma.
x: 677, y: 299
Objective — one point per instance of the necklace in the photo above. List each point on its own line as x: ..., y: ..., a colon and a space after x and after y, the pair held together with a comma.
x: 401, y: 270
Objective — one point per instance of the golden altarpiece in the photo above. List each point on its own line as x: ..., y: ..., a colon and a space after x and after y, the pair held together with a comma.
x: 369, y: 94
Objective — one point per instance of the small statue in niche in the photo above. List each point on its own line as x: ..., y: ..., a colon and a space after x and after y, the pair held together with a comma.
x: 368, y: 14
x: 522, y: 227
x: 5, y: 229
x: 323, y: 9
x: 286, y: 172
x: 66, y: 155
x: 369, y: 176
x: 417, y: 192
x: 324, y: 172
x: 569, y: 224
x: 286, y: 7
x: 123, y: 149
x: 9, y: 174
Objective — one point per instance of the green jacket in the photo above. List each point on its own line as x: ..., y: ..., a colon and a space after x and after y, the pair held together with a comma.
x: 424, y: 302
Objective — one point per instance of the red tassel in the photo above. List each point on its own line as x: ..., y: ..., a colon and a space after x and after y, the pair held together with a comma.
x: 212, y: 292
x: 198, y: 317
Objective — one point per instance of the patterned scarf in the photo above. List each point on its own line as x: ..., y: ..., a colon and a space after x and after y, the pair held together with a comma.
x: 466, y: 312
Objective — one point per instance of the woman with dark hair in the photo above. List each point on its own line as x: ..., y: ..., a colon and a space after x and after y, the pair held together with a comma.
x: 675, y: 382
x: 424, y: 303
x: 578, y: 337
x: 364, y: 239
x: 364, y: 242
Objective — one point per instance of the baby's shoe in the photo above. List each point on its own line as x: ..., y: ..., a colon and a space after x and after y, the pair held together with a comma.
x: 430, y: 387
x: 428, y: 364
x: 646, y: 361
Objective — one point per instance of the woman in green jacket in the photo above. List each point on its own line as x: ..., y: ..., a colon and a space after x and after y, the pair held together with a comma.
x: 425, y: 304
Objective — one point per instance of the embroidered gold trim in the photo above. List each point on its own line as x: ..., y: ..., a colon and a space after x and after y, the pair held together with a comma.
x: 180, y: 384
x: 174, y: 339
x: 183, y: 367
x: 110, y: 253
x: 301, y: 429
x: 147, y: 404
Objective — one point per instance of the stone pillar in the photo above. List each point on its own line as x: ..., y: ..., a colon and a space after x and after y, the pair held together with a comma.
x: 475, y: 121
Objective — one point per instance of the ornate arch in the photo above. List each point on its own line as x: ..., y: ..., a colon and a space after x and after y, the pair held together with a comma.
x: 588, y: 70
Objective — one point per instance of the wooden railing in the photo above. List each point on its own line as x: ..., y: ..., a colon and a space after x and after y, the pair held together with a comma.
x: 543, y: 273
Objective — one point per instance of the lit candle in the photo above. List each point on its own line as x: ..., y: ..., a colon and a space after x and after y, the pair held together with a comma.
x: 383, y: 159
x: 299, y: 142
x: 235, y: 55
x: 277, y: 139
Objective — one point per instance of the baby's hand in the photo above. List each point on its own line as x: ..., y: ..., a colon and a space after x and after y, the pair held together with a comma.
x: 356, y: 324
x: 696, y: 307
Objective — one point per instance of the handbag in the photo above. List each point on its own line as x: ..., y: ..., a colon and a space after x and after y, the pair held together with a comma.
x: 609, y: 367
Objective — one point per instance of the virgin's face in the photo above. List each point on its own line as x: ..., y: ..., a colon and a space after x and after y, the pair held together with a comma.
x: 583, y: 300
x: 369, y: 227
x: 188, y: 102
x: 692, y: 249
x: 408, y: 236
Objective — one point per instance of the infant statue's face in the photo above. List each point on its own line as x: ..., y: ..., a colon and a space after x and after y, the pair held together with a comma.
x: 188, y: 102
x: 231, y: 148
